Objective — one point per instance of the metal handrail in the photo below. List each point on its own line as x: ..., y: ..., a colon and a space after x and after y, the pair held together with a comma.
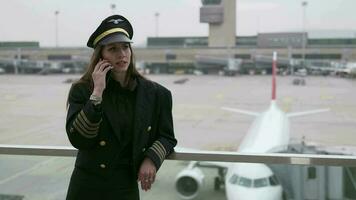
x: 215, y: 156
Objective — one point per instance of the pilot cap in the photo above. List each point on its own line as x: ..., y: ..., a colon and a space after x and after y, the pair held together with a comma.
x: 115, y: 28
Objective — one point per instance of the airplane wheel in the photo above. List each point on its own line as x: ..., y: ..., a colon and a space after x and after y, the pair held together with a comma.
x: 217, y: 183
x: 284, y: 196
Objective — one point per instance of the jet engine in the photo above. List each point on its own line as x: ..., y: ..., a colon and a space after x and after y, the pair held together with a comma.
x: 189, y: 182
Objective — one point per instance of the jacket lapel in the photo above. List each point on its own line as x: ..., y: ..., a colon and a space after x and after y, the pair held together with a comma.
x: 144, y: 106
x: 111, y: 116
x: 143, y: 109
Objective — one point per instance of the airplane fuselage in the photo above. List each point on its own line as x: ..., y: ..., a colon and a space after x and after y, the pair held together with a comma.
x: 268, y: 133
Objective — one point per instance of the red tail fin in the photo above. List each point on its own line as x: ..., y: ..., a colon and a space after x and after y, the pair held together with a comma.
x: 274, y: 72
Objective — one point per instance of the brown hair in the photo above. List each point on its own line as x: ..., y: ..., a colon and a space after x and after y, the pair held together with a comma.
x: 87, y: 78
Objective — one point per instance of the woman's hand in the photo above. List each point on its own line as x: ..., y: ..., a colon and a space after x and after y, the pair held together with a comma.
x: 147, y: 174
x: 99, y: 76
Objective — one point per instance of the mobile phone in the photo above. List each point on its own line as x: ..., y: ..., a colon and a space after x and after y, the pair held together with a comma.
x: 108, y: 75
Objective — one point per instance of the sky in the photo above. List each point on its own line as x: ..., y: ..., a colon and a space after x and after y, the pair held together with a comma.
x: 35, y: 20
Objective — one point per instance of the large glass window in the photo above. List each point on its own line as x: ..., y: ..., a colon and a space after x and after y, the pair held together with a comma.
x: 273, y: 180
x: 244, y: 181
x: 219, y: 73
x: 233, y: 179
x: 261, y: 182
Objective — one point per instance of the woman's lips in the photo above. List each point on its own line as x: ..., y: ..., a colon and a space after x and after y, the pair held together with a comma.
x: 121, y: 63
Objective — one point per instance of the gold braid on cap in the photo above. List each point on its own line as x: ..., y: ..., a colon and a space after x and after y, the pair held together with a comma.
x: 113, y: 30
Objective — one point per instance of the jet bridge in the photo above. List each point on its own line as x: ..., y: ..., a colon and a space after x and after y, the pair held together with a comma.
x: 316, y: 182
x: 221, y: 65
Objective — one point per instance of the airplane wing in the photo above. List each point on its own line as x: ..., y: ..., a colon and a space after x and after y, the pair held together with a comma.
x: 245, y: 112
x: 310, y: 112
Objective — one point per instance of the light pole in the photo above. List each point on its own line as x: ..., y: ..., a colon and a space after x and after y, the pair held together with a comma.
x: 56, y: 13
x: 113, y: 8
x: 156, y: 17
x: 304, y: 41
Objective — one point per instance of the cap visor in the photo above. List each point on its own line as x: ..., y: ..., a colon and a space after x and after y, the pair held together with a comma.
x: 115, y: 38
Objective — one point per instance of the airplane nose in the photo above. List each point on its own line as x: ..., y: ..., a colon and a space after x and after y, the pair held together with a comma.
x: 254, y: 194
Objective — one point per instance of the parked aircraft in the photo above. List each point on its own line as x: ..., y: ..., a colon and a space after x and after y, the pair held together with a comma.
x: 25, y: 66
x: 268, y: 133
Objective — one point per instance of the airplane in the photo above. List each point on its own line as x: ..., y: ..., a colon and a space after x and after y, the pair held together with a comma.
x: 269, y: 133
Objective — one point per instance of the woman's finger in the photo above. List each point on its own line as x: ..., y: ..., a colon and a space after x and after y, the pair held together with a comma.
x: 147, y: 186
x: 96, y: 68
x: 142, y: 185
x: 104, y: 65
x: 145, y: 182
x: 107, y: 69
x: 150, y: 176
x: 153, y: 178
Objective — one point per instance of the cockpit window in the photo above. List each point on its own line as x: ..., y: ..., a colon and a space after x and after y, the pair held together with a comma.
x: 244, y: 182
x: 233, y: 179
x: 239, y: 180
x: 261, y: 182
x: 273, y: 180
x: 255, y: 183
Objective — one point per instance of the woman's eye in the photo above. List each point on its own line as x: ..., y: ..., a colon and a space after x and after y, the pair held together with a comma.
x: 111, y: 49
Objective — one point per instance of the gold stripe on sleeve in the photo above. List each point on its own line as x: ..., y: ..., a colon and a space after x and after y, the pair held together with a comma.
x: 83, y: 132
x: 159, y: 151
x: 162, y: 147
x: 85, y: 125
x: 88, y: 121
x: 90, y: 132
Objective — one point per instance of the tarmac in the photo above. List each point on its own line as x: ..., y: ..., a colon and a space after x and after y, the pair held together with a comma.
x: 33, y: 110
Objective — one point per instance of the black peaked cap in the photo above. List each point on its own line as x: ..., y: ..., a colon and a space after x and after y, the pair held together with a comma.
x: 110, y: 25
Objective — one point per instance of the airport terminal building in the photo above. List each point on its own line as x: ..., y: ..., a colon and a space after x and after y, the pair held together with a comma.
x: 221, y: 51
x: 186, y: 54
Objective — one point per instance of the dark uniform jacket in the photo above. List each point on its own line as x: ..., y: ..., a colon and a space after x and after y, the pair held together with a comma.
x: 94, y: 130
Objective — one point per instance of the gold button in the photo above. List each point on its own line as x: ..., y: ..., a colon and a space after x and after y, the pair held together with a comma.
x: 102, y: 143
x: 149, y: 128
x: 103, y: 166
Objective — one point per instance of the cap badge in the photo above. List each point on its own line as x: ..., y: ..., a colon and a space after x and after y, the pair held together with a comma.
x: 115, y: 21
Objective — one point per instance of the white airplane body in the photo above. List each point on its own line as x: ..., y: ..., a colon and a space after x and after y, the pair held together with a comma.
x: 248, y: 181
x: 268, y: 131
x: 251, y: 181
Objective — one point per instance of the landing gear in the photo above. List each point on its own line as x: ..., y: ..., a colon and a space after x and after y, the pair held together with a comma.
x: 220, y: 179
x: 217, y: 183
x: 284, y: 195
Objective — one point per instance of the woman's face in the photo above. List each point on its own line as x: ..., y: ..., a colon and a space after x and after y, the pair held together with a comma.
x: 118, y: 54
